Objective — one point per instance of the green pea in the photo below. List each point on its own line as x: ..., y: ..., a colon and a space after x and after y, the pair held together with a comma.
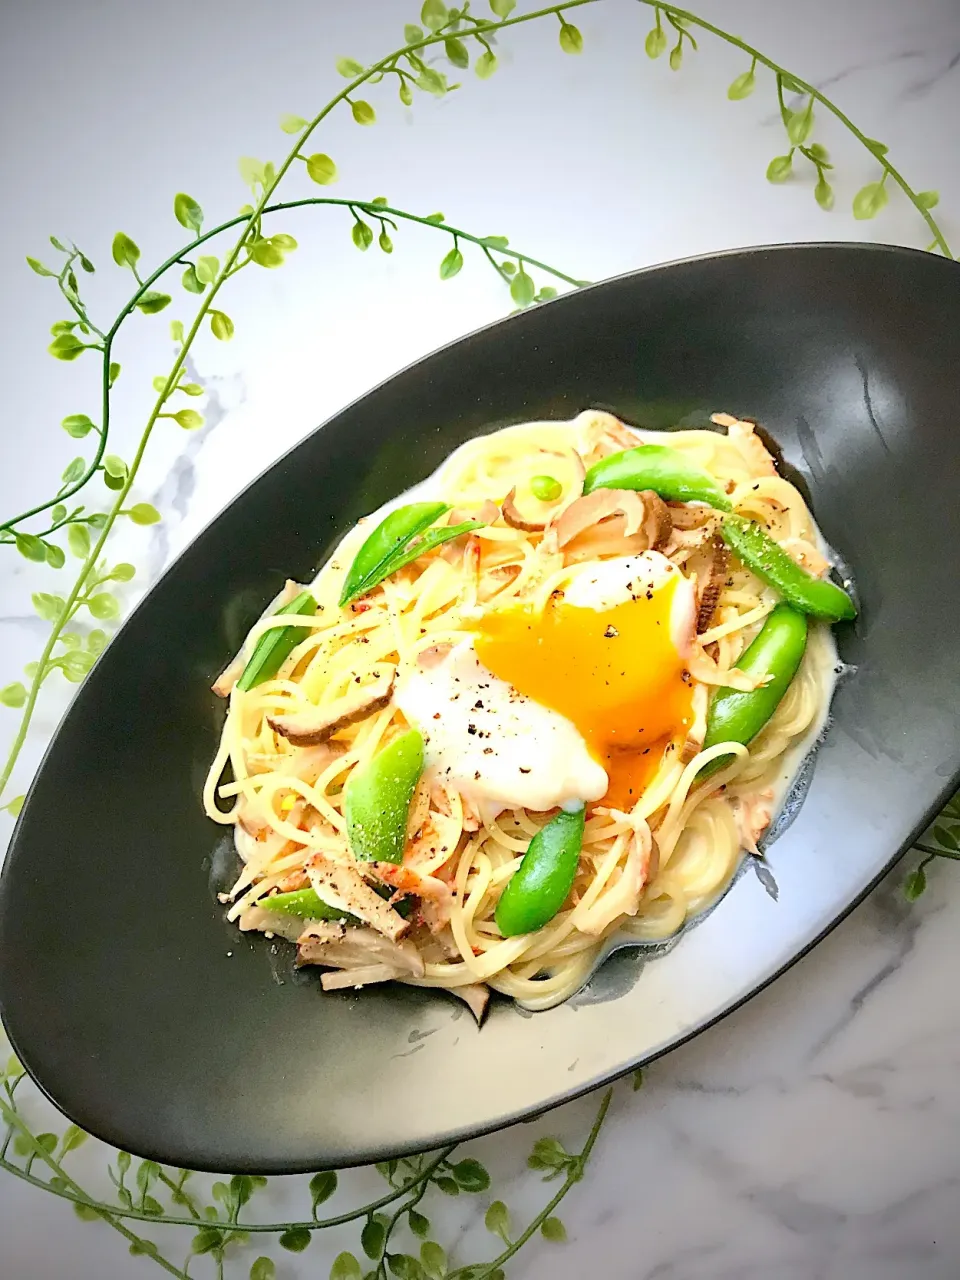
x: 546, y: 488
x: 777, y: 652
x: 664, y: 470
x: 816, y: 596
x: 276, y: 645
x: 542, y: 883
x: 377, y: 800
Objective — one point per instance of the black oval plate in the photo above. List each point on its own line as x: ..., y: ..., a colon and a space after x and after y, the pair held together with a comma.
x: 153, y: 1024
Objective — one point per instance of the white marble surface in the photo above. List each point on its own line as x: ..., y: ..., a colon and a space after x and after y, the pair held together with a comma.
x: 811, y: 1136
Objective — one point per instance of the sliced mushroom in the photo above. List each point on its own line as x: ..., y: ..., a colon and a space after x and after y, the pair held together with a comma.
x: 257, y: 919
x: 308, y: 728
x: 436, y: 898
x: 356, y: 951
x: 476, y: 997
x: 324, y: 931
x: 689, y: 515
x: 342, y: 887
x: 533, y: 515
x: 489, y: 513
x: 717, y: 575
x: 497, y: 578
x: 642, y: 517
x: 228, y: 677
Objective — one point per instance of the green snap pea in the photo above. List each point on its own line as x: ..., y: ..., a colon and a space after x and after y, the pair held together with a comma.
x: 759, y: 552
x: 664, y: 470
x: 275, y: 646
x: 546, y: 488
x: 306, y: 904
x: 542, y: 883
x: 393, y: 533
x: 777, y: 652
x: 377, y: 800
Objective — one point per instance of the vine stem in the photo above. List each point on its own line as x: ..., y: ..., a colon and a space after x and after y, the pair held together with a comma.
x: 574, y: 1175
x: 78, y: 1196
x: 13, y: 1118
x: 835, y: 111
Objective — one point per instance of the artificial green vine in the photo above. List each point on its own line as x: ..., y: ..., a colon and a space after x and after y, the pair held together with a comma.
x: 455, y: 34
x: 214, y: 1213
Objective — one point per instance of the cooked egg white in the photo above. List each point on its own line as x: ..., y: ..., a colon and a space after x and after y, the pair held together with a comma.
x: 498, y: 747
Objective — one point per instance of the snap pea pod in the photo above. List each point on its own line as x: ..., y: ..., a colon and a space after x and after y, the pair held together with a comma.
x: 305, y: 903
x: 276, y: 645
x: 759, y: 552
x: 664, y: 470
x: 377, y: 800
x: 541, y: 884
x: 393, y: 533
x: 777, y: 651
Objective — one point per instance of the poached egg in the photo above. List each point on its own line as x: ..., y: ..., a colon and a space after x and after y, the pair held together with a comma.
x: 576, y: 702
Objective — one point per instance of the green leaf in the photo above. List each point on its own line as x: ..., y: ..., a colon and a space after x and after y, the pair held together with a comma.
x: 362, y: 235
x: 743, y: 86
x: 456, y: 51
x: 122, y: 572
x: 295, y: 1240
x: 191, y: 283
x: 345, y: 1267
x: 152, y: 302
x: 384, y: 241
x: 823, y: 194
x: 817, y: 151
x: 928, y: 199
x: 126, y: 252
x: 548, y: 1153
x: 495, y: 242
x: 77, y: 425
x: 471, y: 1175
x: 404, y: 1267
x: 263, y: 1269
x: 655, y: 43
x: 96, y: 643
x: 47, y: 606
x: 187, y: 212
x: 638, y: 1079
x: 801, y: 124
x: 160, y: 384
x: 252, y: 171
x: 363, y: 113
x: 189, y: 419
x: 222, y: 327
x: 30, y: 547
x: 497, y: 1220
x: 66, y: 347
x: 914, y: 884
x: 546, y: 294
x: 206, y: 1240
x: 104, y: 606
x: 73, y: 471
x: 207, y: 268
x: 115, y: 466
x: 14, y: 1067
x: 87, y: 265
x: 503, y: 8
x: 406, y: 94
x: 878, y: 148
x: 433, y: 14
x: 58, y: 512
x: 54, y: 554
x: 869, y: 200
x: 522, y: 289
x: 676, y: 57
x: 553, y: 1229
x: 321, y: 169
x: 448, y: 1186
x: 176, y: 330
x: 946, y: 839
x: 435, y: 218
x: 419, y: 1224
x: 13, y: 808
x: 349, y: 68
x: 293, y: 124
x: 780, y: 168
x: 85, y: 1212
x: 412, y: 34
x: 78, y: 540
x: 142, y: 513
x: 98, y: 520
x: 372, y: 1239
x: 194, y: 388
x: 380, y: 200
x: 13, y: 695
x: 485, y: 65
x: 113, y: 372
x: 433, y: 1259
x: 571, y: 41
x: 451, y: 264
x: 322, y: 1186
x: 39, y: 268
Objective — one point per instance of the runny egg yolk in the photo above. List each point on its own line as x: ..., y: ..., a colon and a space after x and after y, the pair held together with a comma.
x: 615, y: 673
